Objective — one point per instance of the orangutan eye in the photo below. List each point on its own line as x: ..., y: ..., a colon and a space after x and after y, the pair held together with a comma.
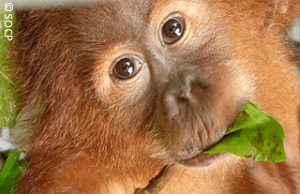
x: 172, y: 30
x: 126, y: 67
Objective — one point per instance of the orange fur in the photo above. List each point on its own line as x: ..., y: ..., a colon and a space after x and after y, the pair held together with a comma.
x: 99, y: 134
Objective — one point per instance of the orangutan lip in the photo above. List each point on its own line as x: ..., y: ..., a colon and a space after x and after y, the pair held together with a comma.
x: 201, y: 159
x: 205, y: 159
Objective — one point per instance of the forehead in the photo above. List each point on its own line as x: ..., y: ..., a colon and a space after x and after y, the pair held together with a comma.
x: 121, y: 20
x: 114, y: 21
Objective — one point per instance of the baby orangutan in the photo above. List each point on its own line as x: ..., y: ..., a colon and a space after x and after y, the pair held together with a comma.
x: 129, y: 87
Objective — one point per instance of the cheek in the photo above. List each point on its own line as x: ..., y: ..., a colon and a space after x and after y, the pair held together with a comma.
x: 225, y: 98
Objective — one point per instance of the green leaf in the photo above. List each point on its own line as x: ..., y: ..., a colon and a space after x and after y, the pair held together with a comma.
x: 8, y: 94
x: 255, y: 134
x: 11, y: 172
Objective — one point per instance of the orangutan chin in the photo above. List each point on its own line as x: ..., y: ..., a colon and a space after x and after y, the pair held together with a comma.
x: 129, y: 87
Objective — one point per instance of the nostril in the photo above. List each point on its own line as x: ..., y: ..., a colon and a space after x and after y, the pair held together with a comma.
x: 185, y: 95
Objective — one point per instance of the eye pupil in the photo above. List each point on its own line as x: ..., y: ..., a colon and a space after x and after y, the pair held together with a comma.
x: 172, y: 30
x: 125, y: 68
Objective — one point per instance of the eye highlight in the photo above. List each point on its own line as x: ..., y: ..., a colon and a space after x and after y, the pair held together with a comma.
x: 126, y: 67
x: 172, y: 30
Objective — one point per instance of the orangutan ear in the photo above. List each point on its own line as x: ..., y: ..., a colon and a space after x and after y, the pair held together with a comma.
x: 285, y: 11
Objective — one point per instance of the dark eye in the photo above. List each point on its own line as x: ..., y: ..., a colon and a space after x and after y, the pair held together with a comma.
x: 172, y: 30
x: 126, y: 68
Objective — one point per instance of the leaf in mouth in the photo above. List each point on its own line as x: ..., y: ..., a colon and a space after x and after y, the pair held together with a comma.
x: 255, y: 134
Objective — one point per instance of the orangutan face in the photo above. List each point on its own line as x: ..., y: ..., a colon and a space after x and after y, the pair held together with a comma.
x: 174, y: 67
